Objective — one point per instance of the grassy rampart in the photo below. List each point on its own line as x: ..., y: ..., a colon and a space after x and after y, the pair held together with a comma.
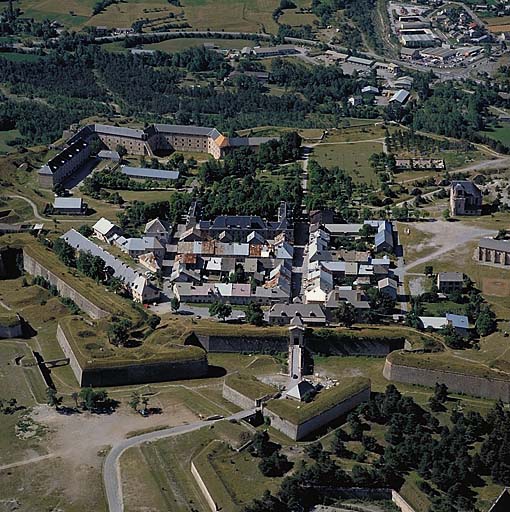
x: 93, y: 350
x: 249, y: 386
x: 85, y: 286
x: 446, y: 362
x: 8, y: 319
x: 298, y: 412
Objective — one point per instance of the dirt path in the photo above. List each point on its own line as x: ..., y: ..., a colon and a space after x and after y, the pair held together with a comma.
x: 447, y: 236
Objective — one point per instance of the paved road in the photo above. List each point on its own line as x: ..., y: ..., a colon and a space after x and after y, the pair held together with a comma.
x: 111, y: 468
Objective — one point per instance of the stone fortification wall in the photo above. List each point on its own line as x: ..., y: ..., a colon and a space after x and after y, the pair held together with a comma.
x: 135, y: 373
x: 243, y: 343
x: 68, y: 352
x: 302, y: 430
x: 457, y: 383
x: 351, y: 346
x: 36, y: 268
x: 14, y: 331
x: 238, y: 398
x: 205, y: 491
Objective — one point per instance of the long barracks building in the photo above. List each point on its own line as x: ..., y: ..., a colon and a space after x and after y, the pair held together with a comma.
x: 149, y: 141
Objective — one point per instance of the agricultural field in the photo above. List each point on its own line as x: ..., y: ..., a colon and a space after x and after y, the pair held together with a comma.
x: 224, y: 15
x: 498, y: 24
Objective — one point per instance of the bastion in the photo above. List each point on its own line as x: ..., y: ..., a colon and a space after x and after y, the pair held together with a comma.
x: 96, y: 362
x: 460, y: 376
x: 11, y: 325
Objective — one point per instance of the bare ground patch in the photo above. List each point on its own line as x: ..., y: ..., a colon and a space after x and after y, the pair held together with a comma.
x: 496, y: 287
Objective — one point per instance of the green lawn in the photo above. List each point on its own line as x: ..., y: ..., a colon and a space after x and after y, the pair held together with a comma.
x: 249, y: 386
x: 442, y: 307
x: 354, y: 158
x: 499, y: 132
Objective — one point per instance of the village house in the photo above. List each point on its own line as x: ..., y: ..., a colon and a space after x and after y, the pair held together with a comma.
x: 105, y: 230
x: 459, y: 322
x: 388, y: 287
x: 450, y: 282
x: 310, y: 314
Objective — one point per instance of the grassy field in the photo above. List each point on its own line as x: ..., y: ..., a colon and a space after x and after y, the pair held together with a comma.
x: 354, y: 158
x: 148, y: 196
x: 14, y: 210
x: 446, y: 362
x: 78, y: 13
x: 416, y: 243
x: 233, y: 478
x: 356, y: 130
x: 228, y: 15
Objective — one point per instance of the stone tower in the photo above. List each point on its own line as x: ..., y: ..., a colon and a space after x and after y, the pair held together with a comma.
x: 296, y: 348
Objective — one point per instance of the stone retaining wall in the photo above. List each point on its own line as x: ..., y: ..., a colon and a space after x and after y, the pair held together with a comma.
x: 302, y: 430
x: 35, y: 268
x: 483, y: 387
x: 136, y: 373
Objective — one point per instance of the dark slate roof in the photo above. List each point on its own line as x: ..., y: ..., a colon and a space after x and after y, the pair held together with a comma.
x: 468, y: 186
x: 239, y: 222
x: 249, y: 141
x: 184, y: 129
x: 451, y: 277
x: 119, y: 131
x: 498, y: 245
x: 64, y: 156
